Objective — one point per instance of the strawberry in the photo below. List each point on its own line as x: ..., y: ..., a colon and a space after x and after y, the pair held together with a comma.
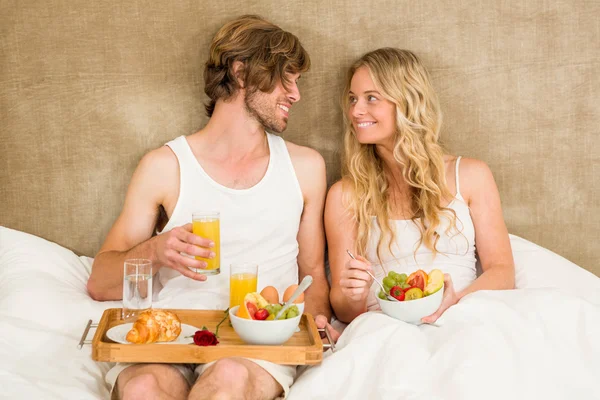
x: 261, y: 314
x: 397, y: 293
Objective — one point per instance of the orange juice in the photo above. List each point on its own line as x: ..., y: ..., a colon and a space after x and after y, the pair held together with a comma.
x: 209, y: 228
x: 240, y: 285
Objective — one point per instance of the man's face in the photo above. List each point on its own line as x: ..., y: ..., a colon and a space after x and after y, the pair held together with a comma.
x: 271, y: 110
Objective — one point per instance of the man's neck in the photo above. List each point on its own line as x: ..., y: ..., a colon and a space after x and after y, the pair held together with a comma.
x: 232, y: 133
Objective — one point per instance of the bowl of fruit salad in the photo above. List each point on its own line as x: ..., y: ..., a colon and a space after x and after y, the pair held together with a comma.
x: 254, y: 321
x: 419, y: 294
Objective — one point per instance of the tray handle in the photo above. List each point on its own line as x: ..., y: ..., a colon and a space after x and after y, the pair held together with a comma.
x: 83, y: 339
x: 329, y: 345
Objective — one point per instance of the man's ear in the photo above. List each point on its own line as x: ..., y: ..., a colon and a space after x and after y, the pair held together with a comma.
x: 238, y: 69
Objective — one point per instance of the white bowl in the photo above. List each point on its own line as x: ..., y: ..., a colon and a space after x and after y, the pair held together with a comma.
x: 300, y: 307
x: 413, y: 310
x: 263, y: 332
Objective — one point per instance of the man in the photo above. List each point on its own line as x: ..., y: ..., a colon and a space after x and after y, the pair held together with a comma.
x: 270, y: 194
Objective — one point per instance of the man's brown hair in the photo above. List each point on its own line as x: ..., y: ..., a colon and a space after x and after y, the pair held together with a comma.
x: 266, y: 51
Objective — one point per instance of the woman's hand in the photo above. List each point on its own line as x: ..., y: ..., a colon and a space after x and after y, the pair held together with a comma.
x: 450, y: 298
x: 355, y: 282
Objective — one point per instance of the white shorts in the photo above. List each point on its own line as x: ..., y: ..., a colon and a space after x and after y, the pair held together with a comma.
x: 283, y: 374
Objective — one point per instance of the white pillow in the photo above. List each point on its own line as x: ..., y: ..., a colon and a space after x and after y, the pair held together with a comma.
x: 538, y: 267
x: 44, y: 308
x: 45, y: 283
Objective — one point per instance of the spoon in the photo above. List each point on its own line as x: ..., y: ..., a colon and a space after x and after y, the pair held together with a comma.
x: 376, y: 280
x: 306, y: 282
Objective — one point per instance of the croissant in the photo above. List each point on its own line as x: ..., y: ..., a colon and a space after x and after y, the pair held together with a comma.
x: 155, y: 326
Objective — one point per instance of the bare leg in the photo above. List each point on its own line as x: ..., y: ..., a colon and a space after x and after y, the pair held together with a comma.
x: 151, y: 382
x: 235, y: 378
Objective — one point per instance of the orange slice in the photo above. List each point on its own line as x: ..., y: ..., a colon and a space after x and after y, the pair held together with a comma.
x: 418, y: 279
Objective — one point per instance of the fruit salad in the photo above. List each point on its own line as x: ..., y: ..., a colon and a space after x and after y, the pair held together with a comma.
x: 256, y: 307
x: 417, y: 285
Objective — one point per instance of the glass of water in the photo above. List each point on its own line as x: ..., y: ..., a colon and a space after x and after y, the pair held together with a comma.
x: 137, y: 287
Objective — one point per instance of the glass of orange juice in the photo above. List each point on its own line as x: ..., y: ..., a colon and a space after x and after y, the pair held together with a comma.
x: 207, y: 225
x: 243, y: 279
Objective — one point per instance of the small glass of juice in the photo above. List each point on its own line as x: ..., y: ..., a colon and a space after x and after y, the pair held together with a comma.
x: 243, y: 279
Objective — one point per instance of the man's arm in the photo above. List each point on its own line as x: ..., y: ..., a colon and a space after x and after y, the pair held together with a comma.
x: 310, y: 170
x: 132, y: 234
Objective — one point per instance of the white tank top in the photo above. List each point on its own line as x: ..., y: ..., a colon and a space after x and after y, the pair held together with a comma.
x: 258, y: 225
x: 456, y: 250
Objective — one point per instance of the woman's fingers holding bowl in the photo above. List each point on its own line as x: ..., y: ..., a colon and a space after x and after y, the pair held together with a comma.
x: 449, y: 299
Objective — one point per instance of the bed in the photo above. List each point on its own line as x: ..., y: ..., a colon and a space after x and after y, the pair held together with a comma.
x: 87, y: 88
x: 539, y: 341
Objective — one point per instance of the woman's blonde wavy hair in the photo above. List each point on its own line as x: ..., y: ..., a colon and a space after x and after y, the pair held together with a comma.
x: 400, y: 78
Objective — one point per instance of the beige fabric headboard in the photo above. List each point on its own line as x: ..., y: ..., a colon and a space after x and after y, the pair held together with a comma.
x: 86, y: 88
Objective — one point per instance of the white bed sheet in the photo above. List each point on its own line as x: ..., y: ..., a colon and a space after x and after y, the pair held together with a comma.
x: 547, y: 335
x: 521, y: 344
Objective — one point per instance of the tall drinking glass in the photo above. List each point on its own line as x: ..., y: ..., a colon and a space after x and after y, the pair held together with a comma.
x: 243, y: 279
x: 137, y: 287
x: 207, y: 225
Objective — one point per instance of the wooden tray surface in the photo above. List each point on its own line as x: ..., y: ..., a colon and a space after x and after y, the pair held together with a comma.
x: 303, y: 348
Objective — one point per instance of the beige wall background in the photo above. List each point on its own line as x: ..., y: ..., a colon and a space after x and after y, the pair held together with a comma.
x: 86, y: 88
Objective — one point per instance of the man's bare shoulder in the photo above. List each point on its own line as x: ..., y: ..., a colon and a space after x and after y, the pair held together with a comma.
x: 159, y: 166
x: 305, y: 157
x: 310, y: 171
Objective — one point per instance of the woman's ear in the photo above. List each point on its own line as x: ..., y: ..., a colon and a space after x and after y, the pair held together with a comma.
x: 238, y: 70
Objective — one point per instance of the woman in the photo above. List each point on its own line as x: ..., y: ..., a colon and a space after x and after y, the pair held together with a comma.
x: 402, y: 204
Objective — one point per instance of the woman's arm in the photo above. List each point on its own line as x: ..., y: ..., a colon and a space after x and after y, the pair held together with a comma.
x: 491, y: 236
x: 350, y: 284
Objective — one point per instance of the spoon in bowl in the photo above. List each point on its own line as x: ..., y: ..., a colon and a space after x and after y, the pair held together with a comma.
x: 306, y: 282
x: 376, y: 280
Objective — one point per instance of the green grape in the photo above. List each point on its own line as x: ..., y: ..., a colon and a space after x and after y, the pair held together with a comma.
x: 387, y: 288
x: 292, y: 312
x: 382, y: 295
x: 393, y: 275
x: 404, y: 285
x: 402, y: 277
x: 271, y: 309
x: 389, y: 282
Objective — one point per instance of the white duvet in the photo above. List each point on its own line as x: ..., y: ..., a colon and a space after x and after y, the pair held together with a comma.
x: 522, y: 344
x: 539, y: 342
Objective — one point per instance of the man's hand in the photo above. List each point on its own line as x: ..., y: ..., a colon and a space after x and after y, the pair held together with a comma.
x: 321, y: 322
x: 171, y: 244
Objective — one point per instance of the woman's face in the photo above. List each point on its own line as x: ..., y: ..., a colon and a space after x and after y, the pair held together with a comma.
x: 372, y: 116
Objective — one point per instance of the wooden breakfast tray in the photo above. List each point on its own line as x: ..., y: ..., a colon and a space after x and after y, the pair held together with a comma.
x: 304, y: 347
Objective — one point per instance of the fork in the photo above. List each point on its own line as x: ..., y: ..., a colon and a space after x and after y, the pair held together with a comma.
x: 391, y: 298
